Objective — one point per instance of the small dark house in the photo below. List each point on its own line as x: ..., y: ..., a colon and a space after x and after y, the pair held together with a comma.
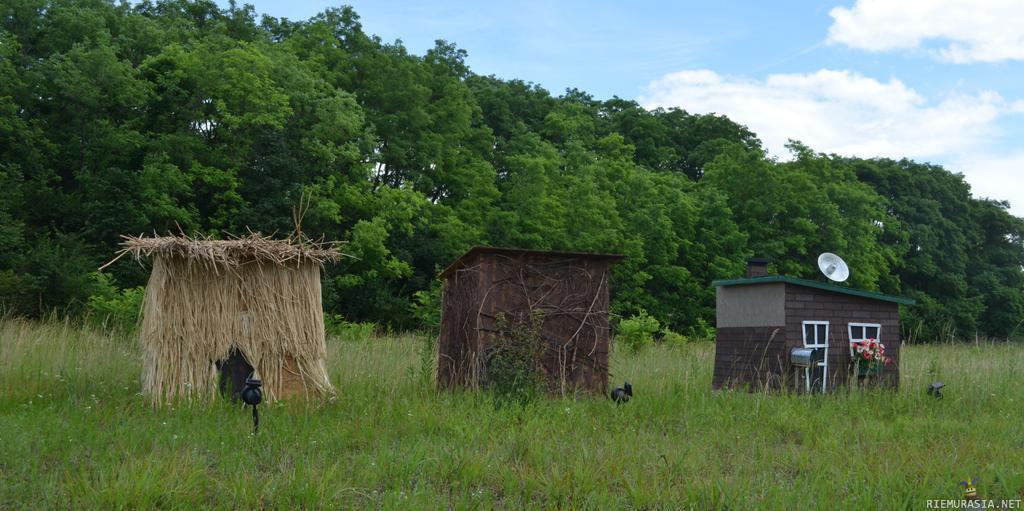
x: 762, y: 318
x: 489, y: 288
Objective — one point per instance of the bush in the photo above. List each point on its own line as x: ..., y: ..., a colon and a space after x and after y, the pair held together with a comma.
x: 513, y: 364
x: 673, y: 339
x: 701, y: 332
x: 111, y: 308
x: 426, y: 307
x: 335, y: 325
x: 638, y: 331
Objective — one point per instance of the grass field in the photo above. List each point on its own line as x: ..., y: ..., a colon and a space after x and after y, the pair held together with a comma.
x: 76, y: 433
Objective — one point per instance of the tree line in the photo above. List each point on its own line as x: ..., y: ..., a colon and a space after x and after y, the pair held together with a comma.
x: 180, y: 116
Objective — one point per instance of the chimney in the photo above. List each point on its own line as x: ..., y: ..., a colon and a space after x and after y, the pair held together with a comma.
x: 757, y: 267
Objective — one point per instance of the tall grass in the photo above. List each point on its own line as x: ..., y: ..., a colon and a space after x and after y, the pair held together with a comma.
x: 75, y: 433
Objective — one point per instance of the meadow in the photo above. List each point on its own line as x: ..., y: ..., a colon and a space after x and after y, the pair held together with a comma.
x: 75, y: 433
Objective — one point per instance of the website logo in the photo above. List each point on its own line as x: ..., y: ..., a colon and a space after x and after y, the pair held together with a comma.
x: 970, y: 488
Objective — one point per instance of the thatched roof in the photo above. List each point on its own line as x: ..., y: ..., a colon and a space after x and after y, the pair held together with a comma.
x: 231, y: 252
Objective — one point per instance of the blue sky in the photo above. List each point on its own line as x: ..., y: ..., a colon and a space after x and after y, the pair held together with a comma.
x: 933, y: 80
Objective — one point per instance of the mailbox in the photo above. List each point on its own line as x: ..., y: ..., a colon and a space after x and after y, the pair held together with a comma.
x: 805, y: 357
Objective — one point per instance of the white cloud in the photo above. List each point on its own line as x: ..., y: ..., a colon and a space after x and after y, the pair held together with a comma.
x: 835, y: 111
x: 971, y: 31
x: 994, y: 177
x: 847, y: 113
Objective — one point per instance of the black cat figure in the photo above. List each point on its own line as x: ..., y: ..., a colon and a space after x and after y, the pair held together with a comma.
x: 622, y: 394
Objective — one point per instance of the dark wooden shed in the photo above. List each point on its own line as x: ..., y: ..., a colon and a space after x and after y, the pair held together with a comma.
x: 761, y: 318
x: 569, y: 290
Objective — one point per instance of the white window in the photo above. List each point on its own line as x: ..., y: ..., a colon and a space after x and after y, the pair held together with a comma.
x: 816, y: 336
x: 861, y: 331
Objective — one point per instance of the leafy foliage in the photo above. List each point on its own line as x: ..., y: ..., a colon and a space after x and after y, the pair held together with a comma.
x: 637, y: 332
x: 169, y: 115
x: 336, y: 326
x: 513, y: 362
x: 112, y: 308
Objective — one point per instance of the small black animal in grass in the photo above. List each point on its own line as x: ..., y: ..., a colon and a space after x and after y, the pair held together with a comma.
x: 622, y: 394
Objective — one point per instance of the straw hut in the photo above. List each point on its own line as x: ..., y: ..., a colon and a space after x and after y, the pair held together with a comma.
x: 568, y: 290
x: 217, y: 310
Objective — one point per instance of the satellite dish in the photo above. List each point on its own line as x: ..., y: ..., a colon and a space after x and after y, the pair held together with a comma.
x: 833, y: 267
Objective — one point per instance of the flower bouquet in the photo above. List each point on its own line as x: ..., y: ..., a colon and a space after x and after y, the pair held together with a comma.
x: 870, y: 357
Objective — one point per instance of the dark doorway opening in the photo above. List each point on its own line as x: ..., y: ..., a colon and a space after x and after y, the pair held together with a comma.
x: 233, y: 372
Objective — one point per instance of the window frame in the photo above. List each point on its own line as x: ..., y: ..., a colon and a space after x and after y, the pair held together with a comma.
x: 849, y: 333
x: 818, y: 344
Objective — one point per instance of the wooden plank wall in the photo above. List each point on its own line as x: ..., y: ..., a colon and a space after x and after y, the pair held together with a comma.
x: 751, y: 357
x: 572, y: 294
x: 457, y: 349
x: 810, y: 304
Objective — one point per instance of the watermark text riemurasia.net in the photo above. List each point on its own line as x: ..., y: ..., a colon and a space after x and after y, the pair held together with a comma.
x: 974, y: 504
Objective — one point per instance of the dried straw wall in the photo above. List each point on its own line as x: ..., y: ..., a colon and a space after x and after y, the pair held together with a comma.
x: 195, y: 312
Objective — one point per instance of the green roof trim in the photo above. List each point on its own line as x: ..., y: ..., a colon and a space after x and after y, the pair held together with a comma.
x: 817, y: 285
